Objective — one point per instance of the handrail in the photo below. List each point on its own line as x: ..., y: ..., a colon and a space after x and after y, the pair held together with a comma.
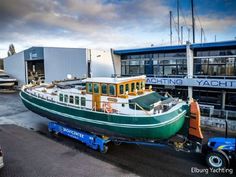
x: 142, y: 109
x: 102, y: 102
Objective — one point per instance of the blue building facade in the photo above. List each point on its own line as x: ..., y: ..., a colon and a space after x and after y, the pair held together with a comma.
x: 207, y: 70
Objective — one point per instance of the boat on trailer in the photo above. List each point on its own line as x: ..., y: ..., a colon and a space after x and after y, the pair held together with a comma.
x: 114, y: 107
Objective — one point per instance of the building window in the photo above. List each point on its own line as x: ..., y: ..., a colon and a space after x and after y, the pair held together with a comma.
x: 231, y: 67
x: 216, y: 70
x: 207, y: 96
x: 123, y: 70
x: 230, y: 101
x: 104, y: 89
x: 133, y: 70
x: 89, y: 87
x: 216, y: 53
x: 157, y: 70
x: 127, y: 69
x: 217, y: 60
x: 72, y: 99
x: 170, y: 70
x: 83, y: 101
x: 66, y: 98
x: 182, y: 70
x: 61, y: 97
x: 141, y: 69
x: 112, y: 90
x: 170, y: 66
x: 202, y: 53
x: 135, y: 66
x: 95, y: 88
x: 215, y: 66
x: 76, y: 100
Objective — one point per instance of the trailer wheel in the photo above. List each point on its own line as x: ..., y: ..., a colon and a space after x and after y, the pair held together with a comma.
x: 50, y: 130
x: 104, y: 150
x: 117, y: 143
x: 53, y: 134
x: 217, y: 160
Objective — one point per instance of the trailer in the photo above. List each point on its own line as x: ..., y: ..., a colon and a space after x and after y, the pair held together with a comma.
x: 188, y: 139
x: 100, y: 143
x: 92, y: 141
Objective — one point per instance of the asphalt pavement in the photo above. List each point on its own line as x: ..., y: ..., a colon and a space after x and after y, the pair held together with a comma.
x: 31, y: 151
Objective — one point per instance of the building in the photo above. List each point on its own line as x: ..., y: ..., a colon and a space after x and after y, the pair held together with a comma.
x: 50, y: 63
x: 206, y: 72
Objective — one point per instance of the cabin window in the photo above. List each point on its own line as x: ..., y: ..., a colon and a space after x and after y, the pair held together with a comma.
x: 76, y: 100
x: 72, y: 99
x: 104, y: 89
x: 127, y: 87
x: 137, y: 85
x: 89, y: 87
x: 132, y: 87
x: 65, y: 98
x: 95, y: 88
x: 61, y: 97
x: 121, y: 89
x: 112, y: 90
x: 83, y: 101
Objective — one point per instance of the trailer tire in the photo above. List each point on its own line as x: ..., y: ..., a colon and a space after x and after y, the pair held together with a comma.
x: 104, y: 150
x: 117, y: 143
x: 216, y: 159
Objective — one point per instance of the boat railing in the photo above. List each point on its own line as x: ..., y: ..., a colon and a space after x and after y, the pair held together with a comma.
x: 116, y: 110
x: 136, y: 107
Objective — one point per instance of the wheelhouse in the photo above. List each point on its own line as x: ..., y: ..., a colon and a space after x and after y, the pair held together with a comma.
x: 116, y: 87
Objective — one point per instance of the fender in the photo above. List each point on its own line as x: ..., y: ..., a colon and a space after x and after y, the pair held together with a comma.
x: 224, y: 154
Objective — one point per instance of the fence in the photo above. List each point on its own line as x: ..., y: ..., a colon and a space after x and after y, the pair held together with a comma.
x: 217, y: 113
x: 216, y: 118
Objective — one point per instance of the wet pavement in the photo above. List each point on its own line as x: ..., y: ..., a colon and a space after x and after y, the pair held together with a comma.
x: 32, y: 151
x: 27, y: 153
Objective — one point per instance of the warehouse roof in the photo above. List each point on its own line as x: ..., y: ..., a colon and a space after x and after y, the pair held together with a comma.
x: 177, y: 47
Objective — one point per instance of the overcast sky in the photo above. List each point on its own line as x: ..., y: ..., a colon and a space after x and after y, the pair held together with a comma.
x: 108, y: 24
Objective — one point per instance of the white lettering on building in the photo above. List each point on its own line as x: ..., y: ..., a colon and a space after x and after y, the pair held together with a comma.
x: 218, y: 83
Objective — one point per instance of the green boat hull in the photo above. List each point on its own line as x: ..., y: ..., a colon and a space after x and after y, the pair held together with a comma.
x: 124, y: 126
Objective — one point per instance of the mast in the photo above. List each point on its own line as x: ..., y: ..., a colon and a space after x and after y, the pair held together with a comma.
x: 188, y: 34
x: 201, y: 34
x: 193, y: 21
x: 181, y: 34
x: 170, y: 27
x: 178, y: 19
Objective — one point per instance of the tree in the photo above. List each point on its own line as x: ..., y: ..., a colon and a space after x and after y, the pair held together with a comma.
x: 11, y: 50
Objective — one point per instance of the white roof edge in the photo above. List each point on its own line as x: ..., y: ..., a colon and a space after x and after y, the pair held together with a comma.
x: 113, y: 80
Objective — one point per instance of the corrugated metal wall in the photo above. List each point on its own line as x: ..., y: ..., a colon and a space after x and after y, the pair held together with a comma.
x: 15, y: 67
x: 58, y: 62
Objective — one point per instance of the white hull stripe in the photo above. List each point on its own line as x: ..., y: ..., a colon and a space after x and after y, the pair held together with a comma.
x: 108, y: 123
